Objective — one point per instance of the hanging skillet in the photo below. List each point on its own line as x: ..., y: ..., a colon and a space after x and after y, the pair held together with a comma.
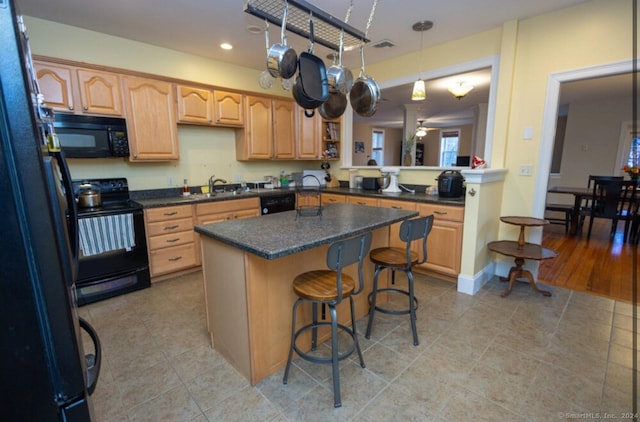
x: 365, y: 93
x: 311, y: 88
x: 334, y: 107
x: 282, y: 60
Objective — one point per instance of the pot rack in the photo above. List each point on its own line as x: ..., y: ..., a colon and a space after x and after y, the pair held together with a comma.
x: 326, y: 28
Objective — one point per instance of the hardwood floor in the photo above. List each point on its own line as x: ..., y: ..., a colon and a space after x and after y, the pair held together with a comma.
x: 600, y: 266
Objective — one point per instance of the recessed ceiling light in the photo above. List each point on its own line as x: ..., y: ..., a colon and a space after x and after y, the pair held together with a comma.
x: 253, y: 29
x: 226, y: 46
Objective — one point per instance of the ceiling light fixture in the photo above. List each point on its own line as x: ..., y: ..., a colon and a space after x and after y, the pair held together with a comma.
x: 226, y: 46
x: 419, y: 93
x: 421, y: 131
x: 460, y: 89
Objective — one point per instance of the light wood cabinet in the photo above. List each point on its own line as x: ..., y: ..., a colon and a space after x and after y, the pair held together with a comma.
x: 195, y: 105
x: 228, y: 108
x: 151, y: 119
x: 255, y: 141
x: 394, y: 229
x: 308, y: 135
x: 71, y: 89
x: 444, y: 244
x: 268, y: 130
x: 209, y: 107
x: 283, y: 129
x: 171, y: 239
x: 362, y: 200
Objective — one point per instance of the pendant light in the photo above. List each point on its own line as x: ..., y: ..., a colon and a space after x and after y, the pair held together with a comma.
x: 419, y: 93
x: 460, y: 89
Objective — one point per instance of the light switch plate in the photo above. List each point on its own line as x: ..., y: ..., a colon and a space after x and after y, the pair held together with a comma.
x: 526, y: 170
x: 527, y: 134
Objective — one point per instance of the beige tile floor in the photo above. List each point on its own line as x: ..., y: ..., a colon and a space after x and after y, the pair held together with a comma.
x: 482, y: 357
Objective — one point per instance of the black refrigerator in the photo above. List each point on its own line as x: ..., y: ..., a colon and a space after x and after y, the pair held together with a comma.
x: 45, y: 373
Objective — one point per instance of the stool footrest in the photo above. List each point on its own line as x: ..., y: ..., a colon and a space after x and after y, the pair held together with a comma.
x: 327, y: 359
x: 391, y: 311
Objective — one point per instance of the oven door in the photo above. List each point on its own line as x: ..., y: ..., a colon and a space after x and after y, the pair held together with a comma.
x: 117, y: 271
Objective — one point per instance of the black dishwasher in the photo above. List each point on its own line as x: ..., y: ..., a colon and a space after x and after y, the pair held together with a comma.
x: 277, y: 202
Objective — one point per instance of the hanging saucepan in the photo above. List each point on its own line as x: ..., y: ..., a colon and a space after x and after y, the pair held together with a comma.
x: 340, y: 78
x: 282, y: 60
x: 334, y: 107
x: 365, y: 93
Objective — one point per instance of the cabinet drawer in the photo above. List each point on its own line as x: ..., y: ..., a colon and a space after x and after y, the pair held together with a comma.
x: 328, y: 198
x: 443, y: 212
x: 227, y: 206
x: 361, y: 200
x: 167, y: 213
x: 399, y: 205
x: 173, y: 239
x: 168, y: 260
x: 171, y: 226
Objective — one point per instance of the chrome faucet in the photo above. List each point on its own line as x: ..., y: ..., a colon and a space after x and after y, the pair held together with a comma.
x: 212, y: 182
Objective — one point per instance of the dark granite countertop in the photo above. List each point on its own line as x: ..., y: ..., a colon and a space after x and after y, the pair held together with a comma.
x: 164, y: 197
x: 419, y: 196
x: 276, y: 235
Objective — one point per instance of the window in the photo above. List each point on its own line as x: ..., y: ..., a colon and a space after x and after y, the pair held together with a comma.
x: 449, y: 140
x: 634, y: 152
x: 377, y: 146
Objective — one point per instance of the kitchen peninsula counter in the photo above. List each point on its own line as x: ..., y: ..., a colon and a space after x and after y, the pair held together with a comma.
x: 249, y: 266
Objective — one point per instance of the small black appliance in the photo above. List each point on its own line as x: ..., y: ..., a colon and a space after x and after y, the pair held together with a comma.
x: 450, y: 184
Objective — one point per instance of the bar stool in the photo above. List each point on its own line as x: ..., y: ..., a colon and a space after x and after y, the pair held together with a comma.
x: 329, y: 288
x: 403, y: 259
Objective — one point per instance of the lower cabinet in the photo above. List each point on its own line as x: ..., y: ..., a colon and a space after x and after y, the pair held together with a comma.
x: 444, y: 244
x: 215, y: 212
x: 394, y: 229
x: 361, y: 200
x: 170, y: 239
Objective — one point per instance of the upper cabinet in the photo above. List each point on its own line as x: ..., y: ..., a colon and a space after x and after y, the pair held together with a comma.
x: 151, y: 119
x: 209, y: 107
x: 255, y: 141
x: 77, y: 90
x: 308, y: 135
x: 228, y: 108
x: 283, y: 129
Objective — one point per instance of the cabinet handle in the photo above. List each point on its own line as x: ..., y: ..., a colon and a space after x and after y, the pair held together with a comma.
x: 171, y: 213
x: 70, y: 107
x: 396, y: 207
x: 174, y: 259
x: 173, y: 240
x: 175, y: 226
x: 362, y: 203
x: 440, y: 212
x: 85, y: 108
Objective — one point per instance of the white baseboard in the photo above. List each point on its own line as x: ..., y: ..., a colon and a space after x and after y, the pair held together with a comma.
x: 472, y: 284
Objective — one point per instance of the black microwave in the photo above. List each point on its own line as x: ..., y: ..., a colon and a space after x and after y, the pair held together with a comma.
x: 91, y: 136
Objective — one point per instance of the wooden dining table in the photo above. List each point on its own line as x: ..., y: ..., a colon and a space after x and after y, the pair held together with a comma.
x: 579, y: 193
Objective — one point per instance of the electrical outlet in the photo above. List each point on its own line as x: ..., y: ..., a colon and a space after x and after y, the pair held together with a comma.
x: 526, y: 170
x: 237, y: 178
x: 170, y: 181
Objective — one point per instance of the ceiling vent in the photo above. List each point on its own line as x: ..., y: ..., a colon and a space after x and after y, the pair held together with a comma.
x: 383, y: 44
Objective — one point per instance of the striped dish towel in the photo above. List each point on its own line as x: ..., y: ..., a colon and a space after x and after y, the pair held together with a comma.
x: 107, y: 233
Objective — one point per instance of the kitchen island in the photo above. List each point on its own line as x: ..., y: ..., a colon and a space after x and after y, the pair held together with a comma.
x: 248, y: 268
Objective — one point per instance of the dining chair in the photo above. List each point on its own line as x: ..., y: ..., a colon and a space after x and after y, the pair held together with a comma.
x: 604, y: 202
x: 628, y: 208
x: 587, y: 201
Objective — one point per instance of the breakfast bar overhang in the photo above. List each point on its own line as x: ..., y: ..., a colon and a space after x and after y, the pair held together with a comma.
x: 248, y: 267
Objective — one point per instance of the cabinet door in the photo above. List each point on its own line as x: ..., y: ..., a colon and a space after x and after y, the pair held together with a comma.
x: 228, y: 108
x: 100, y: 92
x: 195, y: 105
x: 444, y: 244
x: 308, y: 135
x: 394, y: 229
x: 151, y: 119
x: 283, y: 129
x: 56, y: 84
x: 257, y: 142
